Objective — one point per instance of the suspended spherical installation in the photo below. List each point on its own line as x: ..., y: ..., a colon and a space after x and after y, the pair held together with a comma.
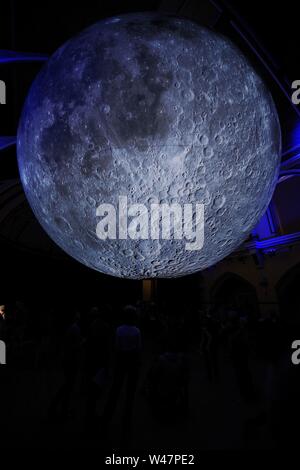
x: 148, y: 146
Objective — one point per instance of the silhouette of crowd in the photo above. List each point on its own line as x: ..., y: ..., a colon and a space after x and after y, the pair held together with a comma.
x: 110, y: 360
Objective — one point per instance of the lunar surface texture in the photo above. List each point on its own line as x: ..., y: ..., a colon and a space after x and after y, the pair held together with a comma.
x: 158, y: 109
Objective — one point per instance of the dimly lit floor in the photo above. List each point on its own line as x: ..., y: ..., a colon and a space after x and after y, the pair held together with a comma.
x: 218, y: 418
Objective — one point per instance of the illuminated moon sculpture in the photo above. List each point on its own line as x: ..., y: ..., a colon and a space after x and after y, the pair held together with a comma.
x: 159, y: 110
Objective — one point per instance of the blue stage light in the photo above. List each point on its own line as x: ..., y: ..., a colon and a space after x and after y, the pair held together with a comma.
x: 12, y: 56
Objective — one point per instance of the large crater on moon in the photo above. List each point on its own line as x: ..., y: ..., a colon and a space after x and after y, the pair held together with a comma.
x: 155, y: 108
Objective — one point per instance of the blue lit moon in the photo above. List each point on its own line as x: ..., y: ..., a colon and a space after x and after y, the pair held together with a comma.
x: 156, y: 108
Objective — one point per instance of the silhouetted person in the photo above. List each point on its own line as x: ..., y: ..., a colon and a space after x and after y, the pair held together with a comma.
x: 168, y: 383
x: 97, y: 353
x: 284, y: 412
x: 2, y: 322
x: 128, y: 349
x: 210, y: 347
x: 70, y: 363
x: 269, y: 336
x: 240, y: 359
